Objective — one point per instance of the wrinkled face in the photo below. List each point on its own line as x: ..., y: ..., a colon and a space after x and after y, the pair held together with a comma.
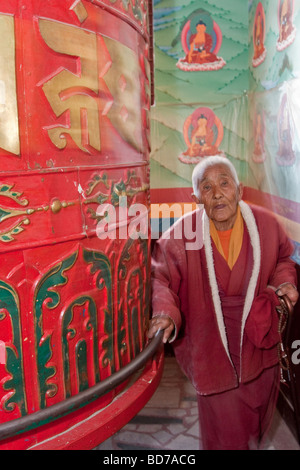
x: 220, y: 196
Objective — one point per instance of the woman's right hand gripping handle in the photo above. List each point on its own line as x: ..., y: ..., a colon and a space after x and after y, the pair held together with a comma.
x: 161, y: 322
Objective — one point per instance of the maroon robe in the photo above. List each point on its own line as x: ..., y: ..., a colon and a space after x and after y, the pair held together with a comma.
x: 232, y: 286
x: 222, y: 425
x: 226, y: 334
x: 184, y: 290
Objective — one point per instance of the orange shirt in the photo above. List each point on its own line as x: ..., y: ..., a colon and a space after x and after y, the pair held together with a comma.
x: 224, y: 237
x: 229, y: 242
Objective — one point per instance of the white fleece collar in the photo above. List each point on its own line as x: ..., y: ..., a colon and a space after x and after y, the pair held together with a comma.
x: 250, y: 222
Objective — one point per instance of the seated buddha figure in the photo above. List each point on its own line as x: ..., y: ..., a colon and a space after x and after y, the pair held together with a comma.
x: 201, y: 40
x: 285, y: 155
x: 287, y: 30
x: 202, y: 139
x: 259, y: 48
x: 200, y: 46
x: 259, y: 154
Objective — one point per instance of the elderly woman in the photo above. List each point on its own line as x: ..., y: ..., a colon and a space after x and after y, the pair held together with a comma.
x: 216, y: 304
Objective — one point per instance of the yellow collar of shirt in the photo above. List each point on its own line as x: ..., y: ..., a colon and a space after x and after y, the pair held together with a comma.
x: 236, y: 239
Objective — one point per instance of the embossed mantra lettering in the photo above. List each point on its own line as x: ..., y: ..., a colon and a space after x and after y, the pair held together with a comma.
x: 100, y: 58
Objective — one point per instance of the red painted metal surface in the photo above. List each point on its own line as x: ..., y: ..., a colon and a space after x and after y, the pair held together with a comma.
x: 107, y: 421
x: 74, y: 134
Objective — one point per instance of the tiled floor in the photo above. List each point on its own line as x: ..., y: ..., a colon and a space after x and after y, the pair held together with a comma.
x: 169, y: 421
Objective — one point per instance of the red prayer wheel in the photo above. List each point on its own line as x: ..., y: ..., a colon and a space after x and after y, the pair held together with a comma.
x: 75, y: 92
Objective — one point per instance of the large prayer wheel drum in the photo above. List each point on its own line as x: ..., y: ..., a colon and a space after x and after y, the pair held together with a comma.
x: 74, y: 139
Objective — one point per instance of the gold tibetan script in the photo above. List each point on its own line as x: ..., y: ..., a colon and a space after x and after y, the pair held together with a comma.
x: 74, y: 93
x: 123, y: 80
x: 79, y: 93
x: 9, y: 128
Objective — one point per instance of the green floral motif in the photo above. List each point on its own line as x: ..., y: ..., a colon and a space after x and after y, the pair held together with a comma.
x: 122, y: 189
x: 45, y: 295
x: 82, y: 372
x: 67, y: 332
x: 101, y: 264
x: 136, y: 311
x: 127, y: 290
x: 10, y: 302
x: 137, y: 303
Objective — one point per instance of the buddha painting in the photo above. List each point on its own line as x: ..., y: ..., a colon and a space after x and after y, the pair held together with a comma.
x: 203, y: 133
x: 287, y: 31
x: 259, y: 153
x: 259, y: 50
x: 285, y: 155
x: 201, y: 40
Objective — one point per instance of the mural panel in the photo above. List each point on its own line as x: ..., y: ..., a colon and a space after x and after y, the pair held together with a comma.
x: 275, y: 113
x: 236, y: 67
x: 201, y: 64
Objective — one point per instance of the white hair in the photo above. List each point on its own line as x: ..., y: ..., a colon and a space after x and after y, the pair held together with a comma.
x: 207, y: 162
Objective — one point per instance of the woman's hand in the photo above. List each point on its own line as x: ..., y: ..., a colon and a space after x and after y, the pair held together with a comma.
x: 161, y: 322
x: 289, y: 290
